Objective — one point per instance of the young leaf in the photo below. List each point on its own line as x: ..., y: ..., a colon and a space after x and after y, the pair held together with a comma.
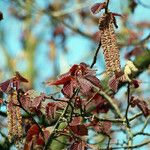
x: 77, y: 145
x: 141, y: 104
x: 51, y: 108
x: 80, y: 130
x: 96, y: 8
x: 33, y: 131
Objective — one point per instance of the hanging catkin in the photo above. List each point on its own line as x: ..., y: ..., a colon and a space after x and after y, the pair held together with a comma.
x: 14, y: 117
x: 109, y: 43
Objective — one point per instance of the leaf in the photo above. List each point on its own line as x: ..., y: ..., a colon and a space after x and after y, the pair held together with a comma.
x: 94, y: 80
x: 105, y: 127
x: 40, y: 141
x: 50, y: 109
x: 135, y: 83
x: 99, y: 103
x: 77, y: 145
x: 60, y: 81
x: 34, y: 130
x: 113, y: 83
x: 80, y: 130
x: 101, y: 127
x: 37, y: 101
x: 141, y: 104
x: 96, y: 8
x: 5, y: 86
x: 68, y: 89
x: 85, y: 85
x: 75, y: 121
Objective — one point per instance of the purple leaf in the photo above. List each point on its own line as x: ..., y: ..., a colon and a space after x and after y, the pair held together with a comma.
x: 96, y: 8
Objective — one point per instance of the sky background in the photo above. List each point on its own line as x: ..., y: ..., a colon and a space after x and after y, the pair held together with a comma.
x: 79, y: 48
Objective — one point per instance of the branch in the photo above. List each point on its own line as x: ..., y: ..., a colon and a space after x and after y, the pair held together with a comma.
x: 133, y: 146
x: 135, y: 116
x: 51, y: 137
x: 96, y: 53
x: 128, y: 105
x: 106, y: 8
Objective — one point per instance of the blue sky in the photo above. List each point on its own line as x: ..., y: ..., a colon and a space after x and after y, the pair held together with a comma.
x: 79, y: 47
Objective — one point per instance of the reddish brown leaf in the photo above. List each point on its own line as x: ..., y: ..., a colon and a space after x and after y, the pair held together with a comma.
x: 68, y: 89
x: 51, y: 108
x: 40, y: 141
x: 28, y: 146
x: 80, y: 130
x: 36, y: 103
x: 96, y: 8
x: 78, y: 76
x: 76, y: 121
x: 135, y: 83
x: 99, y: 103
x: 113, y: 83
x: 60, y: 81
x: 141, y: 104
x: 85, y: 85
x: 77, y: 145
x: 101, y: 127
x: 34, y: 130
x: 94, y: 80
x: 5, y: 86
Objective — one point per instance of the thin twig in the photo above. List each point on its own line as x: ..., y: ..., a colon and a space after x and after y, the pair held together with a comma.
x: 135, y: 116
x: 141, y: 133
x: 128, y: 104
x: 145, y: 124
x: 133, y: 146
x: 106, y: 8
x: 96, y: 53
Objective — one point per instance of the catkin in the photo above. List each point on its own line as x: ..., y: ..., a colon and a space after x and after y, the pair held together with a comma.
x: 14, y: 117
x: 109, y: 44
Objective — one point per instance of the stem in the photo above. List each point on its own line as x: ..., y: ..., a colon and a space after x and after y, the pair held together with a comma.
x: 106, y: 9
x: 96, y: 53
x: 128, y: 104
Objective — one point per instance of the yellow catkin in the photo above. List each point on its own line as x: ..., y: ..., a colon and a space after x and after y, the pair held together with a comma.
x: 14, y: 117
x: 10, y: 118
x: 109, y: 44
